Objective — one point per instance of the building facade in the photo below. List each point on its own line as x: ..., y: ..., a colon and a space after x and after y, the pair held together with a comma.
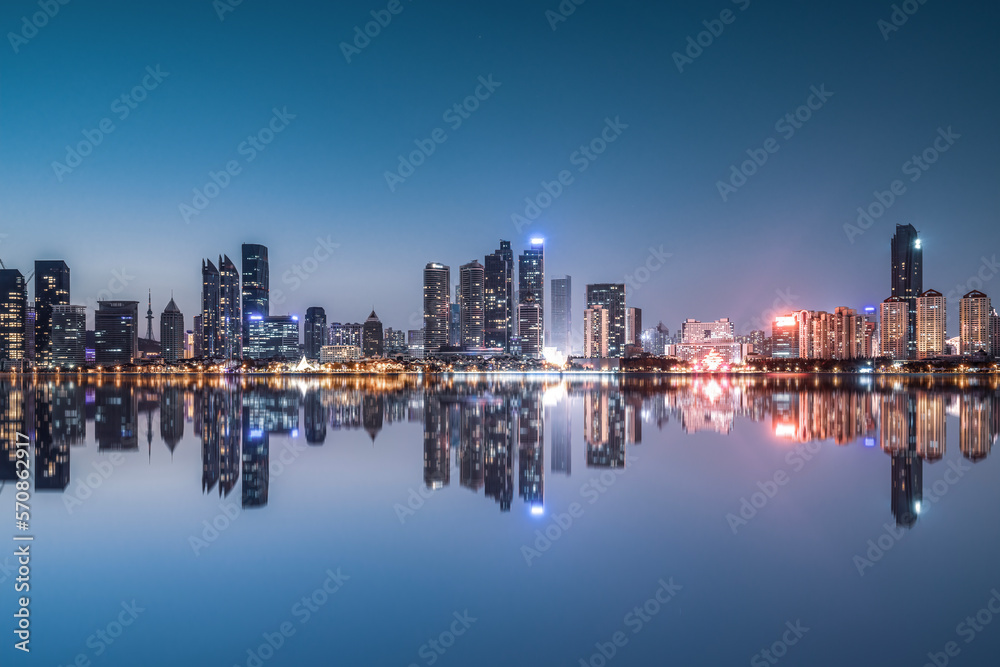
x: 437, y: 306
x: 932, y: 321
x: 894, y: 328
x: 116, y: 332
x: 498, y: 297
x: 69, y: 336
x: 562, y: 315
x: 256, y: 285
x: 274, y: 337
x: 13, y: 306
x: 51, y: 290
x: 612, y: 297
x: 596, y: 332
x: 974, y: 312
x: 472, y: 279
x: 908, y: 278
x: 171, y: 333
x: 314, y: 332
x: 372, y: 337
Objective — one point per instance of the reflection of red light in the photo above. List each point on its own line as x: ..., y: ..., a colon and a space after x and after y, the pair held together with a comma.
x: 784, y: 430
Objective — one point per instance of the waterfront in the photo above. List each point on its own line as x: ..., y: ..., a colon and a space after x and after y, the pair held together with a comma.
x: 503, y: 520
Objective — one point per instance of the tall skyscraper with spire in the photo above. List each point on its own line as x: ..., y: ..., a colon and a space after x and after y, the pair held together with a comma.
x: 908, y: 278
x: 51, y: 289
x: 171, y: 332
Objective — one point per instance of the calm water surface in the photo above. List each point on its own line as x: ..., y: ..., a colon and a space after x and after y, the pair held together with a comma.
x: 485, y: 521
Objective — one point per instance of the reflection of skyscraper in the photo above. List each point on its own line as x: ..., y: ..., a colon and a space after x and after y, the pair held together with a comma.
x: 975, y: 435
x: 256, y: 462
x: 315, y: 415
x: 907, y: 487
x: 220, y: 436
x: 13, y: 420
x: 51, y: 456
x: 499, y: 455
x: 437, y: 445
x: 931, y: 426
x: 908, y: 279
x: 171, y: 416
x: 499, y: 297
x: 530, y: 449
x: 471, y: 452
x: 372, y: 414
x: 604, y: 429
x: 562, y: 449
x: 115, y: 417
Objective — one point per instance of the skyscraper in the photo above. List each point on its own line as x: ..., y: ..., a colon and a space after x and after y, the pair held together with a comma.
x: 13, y: 303
x: 894, y: 327
x: 315, y: 333
x: 210, y: 331
x: 595, y: 331
x: 908, y: 278
x: 51, y: 289
x: 372, y: 337
x: 171, y: 333
x: 562, y: 314
x: 974, y: 322
x: 274, y: 337
x: 531, y: 298
x: 69, y: 336
x: 931, y: 321
x: 471, y: 285
x: 498, y: 296
x: 633, y: 326
x: 230, y: 346
x: 612, y: 297
x: 256, y: 284
x: 785, y: 337
x: 437, y: 306
x: 116, y: 332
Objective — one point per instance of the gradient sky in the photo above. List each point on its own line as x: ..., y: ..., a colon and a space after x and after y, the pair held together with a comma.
x: 656, y: 185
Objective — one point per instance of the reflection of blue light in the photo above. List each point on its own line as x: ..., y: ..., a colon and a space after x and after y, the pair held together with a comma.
x: 869, y: 442
x: 295, y: 432
x: 537, y: 510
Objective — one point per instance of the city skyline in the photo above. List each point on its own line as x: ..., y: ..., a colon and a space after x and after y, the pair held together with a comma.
x: 666, y: 165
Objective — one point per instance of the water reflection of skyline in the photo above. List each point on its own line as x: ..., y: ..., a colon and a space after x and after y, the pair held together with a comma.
x: 491, y: 432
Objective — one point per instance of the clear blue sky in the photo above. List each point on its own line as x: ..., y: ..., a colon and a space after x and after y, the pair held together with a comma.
x: 656, y: 184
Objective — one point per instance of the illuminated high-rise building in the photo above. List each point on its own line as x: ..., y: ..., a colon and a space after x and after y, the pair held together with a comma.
x: 785, y: 337
x: 230, y: 344
x: 116, y: 332
x: 256, y: 285
x: 69, y: 334
x: 612, y: 297
x: 596, y: 322
x: 171, y: 333
x: 931, y: 323
x: 908, y: 280
x: 210, y: 311
x: 372, y: 337
x: 437, y: 306
x: 633, y: 326
x: 13, y: 304
x: 498, y: 297
x: 471, y: 287
x: 893, y: 325
x: 274, y: 337
x: 974, y: 322
x: 531, y: 298
x: 51, y: 289
x: 315, y: 332
x: 562, y: 314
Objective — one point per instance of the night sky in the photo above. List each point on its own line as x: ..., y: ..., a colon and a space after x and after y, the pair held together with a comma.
x: 779, y: 237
